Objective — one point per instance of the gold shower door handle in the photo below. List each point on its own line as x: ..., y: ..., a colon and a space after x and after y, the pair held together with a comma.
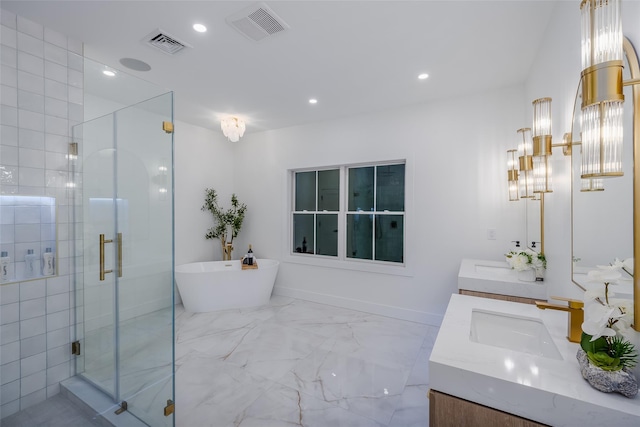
x: 103, y: 272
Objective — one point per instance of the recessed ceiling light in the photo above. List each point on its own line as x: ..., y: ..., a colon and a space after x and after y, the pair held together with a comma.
x: 109, y: 73
x: 423, y: 76
x: 200, y: 28
x: 313, y: 101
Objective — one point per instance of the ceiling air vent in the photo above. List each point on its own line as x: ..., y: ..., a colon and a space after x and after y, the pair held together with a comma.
x: 257, y: 22
x: 166, y: 43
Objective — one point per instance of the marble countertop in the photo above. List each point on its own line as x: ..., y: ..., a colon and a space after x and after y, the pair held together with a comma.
x: 497, y: 277
x: 534, y: 387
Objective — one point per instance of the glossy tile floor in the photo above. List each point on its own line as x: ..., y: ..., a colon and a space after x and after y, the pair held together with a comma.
x: 291, y: 362
x: 295, y: 362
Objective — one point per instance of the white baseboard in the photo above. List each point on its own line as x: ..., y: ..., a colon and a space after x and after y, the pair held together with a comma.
x: 365, y: 306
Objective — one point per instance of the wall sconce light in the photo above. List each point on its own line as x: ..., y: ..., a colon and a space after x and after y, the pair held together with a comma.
x: 542, y: 146
x: 512, y: 175
x: 233, y: 128
x: 591, y: 184
x: 525, y: 162
x: 602, y: 95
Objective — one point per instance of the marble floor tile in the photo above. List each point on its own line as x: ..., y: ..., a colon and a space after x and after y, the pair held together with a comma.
x: 362, y: 386
x: 379, y: 338
x: 317, y: 318
x: 283, y: 406
x: 419, y: 375
x: 271, y: 350
x: 211, y: 392
x: 332, y: 366
x: 412, y: 410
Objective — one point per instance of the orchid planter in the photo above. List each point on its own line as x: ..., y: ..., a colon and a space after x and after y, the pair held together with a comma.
x: 527, y: 275
x: 621, y: 381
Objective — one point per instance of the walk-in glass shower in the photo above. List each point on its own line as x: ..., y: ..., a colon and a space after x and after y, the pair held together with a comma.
x: 123, y: 215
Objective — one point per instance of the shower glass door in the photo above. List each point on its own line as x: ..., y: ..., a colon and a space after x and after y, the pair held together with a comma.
x: 124, y: 248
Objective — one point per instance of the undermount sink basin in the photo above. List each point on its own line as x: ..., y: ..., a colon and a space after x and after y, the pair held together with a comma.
x: 513, y: 332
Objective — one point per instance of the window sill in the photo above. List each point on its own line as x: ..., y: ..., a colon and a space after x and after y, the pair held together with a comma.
x: 364, y: 266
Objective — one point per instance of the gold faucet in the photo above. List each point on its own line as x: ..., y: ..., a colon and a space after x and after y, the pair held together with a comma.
x: 576, y: 315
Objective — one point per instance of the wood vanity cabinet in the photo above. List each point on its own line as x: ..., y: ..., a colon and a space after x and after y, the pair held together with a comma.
x: 498, y: 296
x: 450, y: 411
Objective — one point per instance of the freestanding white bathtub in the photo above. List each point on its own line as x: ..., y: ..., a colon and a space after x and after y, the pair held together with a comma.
x: 221, y: 285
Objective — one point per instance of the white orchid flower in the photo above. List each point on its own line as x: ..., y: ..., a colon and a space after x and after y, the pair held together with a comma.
x: 599, y: 314
x: 604, y: 274
x: 617, y: 263
x: 623, y: 313
x: 596, y: 321
x: 597, y: 330
x: 594, y: 294
x: 613, y: 266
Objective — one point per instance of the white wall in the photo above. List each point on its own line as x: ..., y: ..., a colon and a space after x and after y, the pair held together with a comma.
x: 456, y: 159
x: 203, y: 158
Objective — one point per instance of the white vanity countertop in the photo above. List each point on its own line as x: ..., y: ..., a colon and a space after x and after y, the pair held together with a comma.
x: 497, y: 277
x: 534, y: 387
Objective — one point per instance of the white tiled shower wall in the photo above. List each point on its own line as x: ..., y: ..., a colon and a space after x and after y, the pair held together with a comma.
x: 42, y: 97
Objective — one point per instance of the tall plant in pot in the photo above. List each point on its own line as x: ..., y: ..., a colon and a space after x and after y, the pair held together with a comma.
x: 227, y: 222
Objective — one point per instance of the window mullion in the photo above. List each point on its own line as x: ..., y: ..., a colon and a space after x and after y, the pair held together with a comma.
x: 342, y: 217
x: 375, y: 209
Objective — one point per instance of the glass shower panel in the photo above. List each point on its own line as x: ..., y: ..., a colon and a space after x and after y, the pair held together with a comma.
x: 145, y: 288
x: 95, y: 304
x: 124, y: 257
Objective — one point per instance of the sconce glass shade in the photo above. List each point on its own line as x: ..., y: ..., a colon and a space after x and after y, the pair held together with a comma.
x: 601, y: 32
x: 602, y: 136
x: 525, y: 184
x: 542, y: 174
x: 233, y: 128
x: 525, y: 163
x: 591, y: 184
x: 525, y: 144
x: 602, y: 95
x: 542, y: 145
x: 512, y: 175
x: 542, y: 122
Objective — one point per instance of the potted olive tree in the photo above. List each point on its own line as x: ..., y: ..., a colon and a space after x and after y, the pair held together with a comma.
x: 227, y: 222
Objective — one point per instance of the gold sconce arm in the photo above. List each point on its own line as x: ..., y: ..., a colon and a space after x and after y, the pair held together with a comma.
x: 631, y: 82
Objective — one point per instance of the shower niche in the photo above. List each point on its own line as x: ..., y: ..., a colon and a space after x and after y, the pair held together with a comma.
x: 28, y: 238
